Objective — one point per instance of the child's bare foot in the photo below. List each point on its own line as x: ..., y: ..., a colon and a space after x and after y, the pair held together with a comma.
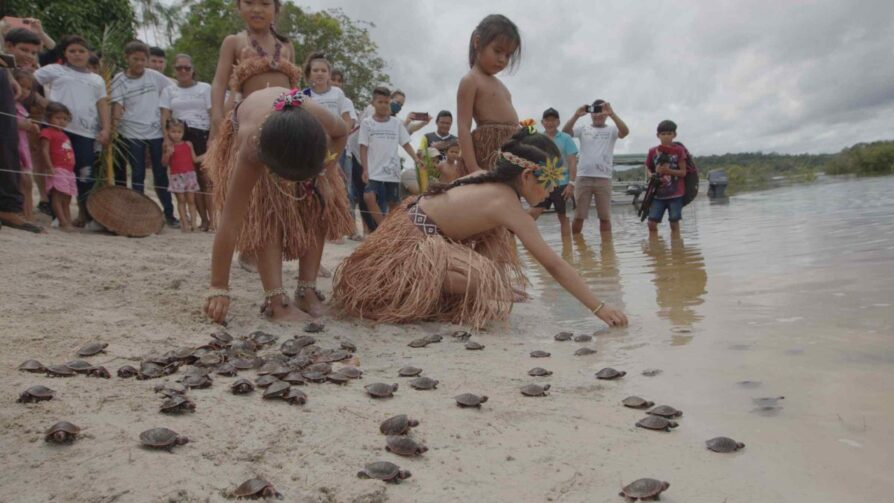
x: 281, y: 309
x: 185, y: 228
x: 324, y: 273
x: 311, y: 303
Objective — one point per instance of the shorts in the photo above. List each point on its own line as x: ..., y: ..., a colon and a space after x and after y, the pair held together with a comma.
x: 555, y: 198
x: 588, y: 187
x: 183, y: 182
x: 386, y: 193
x: 63, y: 181
x: 674, y: 208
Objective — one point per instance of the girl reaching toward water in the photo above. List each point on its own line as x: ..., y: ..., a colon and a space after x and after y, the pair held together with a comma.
x: 430, y: 259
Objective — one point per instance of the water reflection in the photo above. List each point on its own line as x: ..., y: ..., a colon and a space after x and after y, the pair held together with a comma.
x: 680, y: 280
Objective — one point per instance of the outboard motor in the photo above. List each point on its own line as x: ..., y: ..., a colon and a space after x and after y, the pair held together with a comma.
x: 717, y: 182
x: 635, y: 190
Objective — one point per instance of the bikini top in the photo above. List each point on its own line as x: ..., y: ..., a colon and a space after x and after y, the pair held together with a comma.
x: 263, y: 63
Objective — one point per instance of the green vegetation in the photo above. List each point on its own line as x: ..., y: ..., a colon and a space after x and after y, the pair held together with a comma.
x: 864, y: 159
x: 92, y: 19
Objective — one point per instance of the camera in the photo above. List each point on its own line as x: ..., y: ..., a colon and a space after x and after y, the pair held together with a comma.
x: 663, y: 158
x: 594, y: 109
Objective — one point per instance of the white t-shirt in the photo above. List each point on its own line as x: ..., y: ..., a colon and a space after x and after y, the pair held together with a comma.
x: 189, y: 104
x: 383, y: 140
x: 597, y: 147
x: 354, y: 138
x: 335, y: 101
x: 140, y: 98
x: 79, y: 91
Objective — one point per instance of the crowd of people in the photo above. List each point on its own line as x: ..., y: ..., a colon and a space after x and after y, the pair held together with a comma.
x: 279, y: 169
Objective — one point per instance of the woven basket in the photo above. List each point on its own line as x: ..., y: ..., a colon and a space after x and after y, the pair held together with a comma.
x: 125, y: 212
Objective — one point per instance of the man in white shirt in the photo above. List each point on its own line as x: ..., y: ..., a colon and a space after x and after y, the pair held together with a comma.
x: 596, y: 160
x: 136, y: 112
x: 379, y: 137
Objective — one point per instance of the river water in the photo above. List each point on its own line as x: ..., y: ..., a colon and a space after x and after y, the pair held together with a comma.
x: 786, y: 292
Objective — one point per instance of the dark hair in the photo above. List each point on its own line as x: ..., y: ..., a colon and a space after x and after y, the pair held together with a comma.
x: 550, y: 112
x: 492, y: 28
x: 276, y: 5
x: 93, y: 60
x: 293, y: 144
x: 598, y: 102
x: 398, y: 92
x: 539, y: 140
x: 22, y: 36
x: 336, y: 71
x: 451, y: 144
x: 521, y: 144
x: 136, y: 46
x: 69, y: 40
x: 172, y: 123
x: 157, y: 52
x: 444, y: 113
x: 315, y: 56
x: 381, y: 91
x: 53, y: 108
x: 667, y: 126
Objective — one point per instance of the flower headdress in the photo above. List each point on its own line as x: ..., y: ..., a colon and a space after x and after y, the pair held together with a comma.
x: 290, y: 99
x: 549, y: 174
x: 530, y: 125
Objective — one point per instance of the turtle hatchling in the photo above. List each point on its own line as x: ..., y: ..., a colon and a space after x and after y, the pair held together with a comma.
x: 539, y: 372
x: 36, y: 394
x: 473, y: 346
x: 62, y: 432
x: 424, y: 383
x: 294, y: 378
x: 635, y: 402
x: 79, y: 366
x: 539, y: 354
x: 584, y: 351
x: 404, y: 446
x: 256, y: 488
x: 350, y: 372
x: 177, y: 404
x: 383, y: 470
x: 397, y: 425
x: 336, y: 378
x: 724, y: 444
x: 419, y: 343
x: 276, y: 390
x: 583, y: 338
x: 32, y: 366
x: 100, y: 372
x: 242, y: 387
x: 644, y: 489
x: 295, y: 396
x: 348, y: 345
x: 94, y: 348
x: 162, y: 438
x: 469, y: 400
x: 434, y: 338
x: 535, y: 390
x: 59, y: 371
x: 563, y: 336
x: 314, y: 328
x: 196, y: 381
x: 609, y: 373
x: 665, y: 411
x: 127, y: 371
x: 656, y: 423
x: 381, y: 390
x: 227, y: 369
x: 262, y: 338
x: 409, y: 371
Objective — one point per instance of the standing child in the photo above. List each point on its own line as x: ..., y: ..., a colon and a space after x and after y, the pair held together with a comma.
x: 494, y: 45
x: 182, y: 159
x: 58, y: 153
x: 25, y: 81
x: 668, y: 162
x: 451, y: 168
x: 318, y: 74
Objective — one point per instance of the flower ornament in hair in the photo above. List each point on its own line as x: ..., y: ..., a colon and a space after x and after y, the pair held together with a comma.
x: 549, y: 175
x: 291, y: 99
x: 530, y: 125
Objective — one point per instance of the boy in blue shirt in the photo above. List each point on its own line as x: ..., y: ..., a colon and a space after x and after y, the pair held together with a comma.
x: 668, y: 161
x: 565, y: 190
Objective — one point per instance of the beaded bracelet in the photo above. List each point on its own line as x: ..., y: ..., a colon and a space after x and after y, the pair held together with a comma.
x: 214, y: 293
x: 598, y: 308
x: 273, y: 293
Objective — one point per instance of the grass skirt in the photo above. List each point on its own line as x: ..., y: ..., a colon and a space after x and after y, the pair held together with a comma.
x: 397, y: 275
x: 488, y: 138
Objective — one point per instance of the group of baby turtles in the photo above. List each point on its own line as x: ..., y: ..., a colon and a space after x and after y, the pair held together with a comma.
x: 397, y: 441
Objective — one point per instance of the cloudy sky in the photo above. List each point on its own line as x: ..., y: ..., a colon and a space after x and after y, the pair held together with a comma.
x: 783, y: 75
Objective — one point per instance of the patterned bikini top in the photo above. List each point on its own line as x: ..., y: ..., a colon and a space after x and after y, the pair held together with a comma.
x: 261, y: 63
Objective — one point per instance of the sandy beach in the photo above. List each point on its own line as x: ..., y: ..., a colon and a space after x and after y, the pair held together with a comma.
x: 828, y: 442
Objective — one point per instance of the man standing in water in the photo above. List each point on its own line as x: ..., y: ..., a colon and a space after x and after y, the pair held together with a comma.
x: 594, y: 170
x: 565, y: 189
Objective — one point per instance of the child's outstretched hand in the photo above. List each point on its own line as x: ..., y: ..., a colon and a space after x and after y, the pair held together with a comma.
x: 216, y: 308
x: 613, y: 317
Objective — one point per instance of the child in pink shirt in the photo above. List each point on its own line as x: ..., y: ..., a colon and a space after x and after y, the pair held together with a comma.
x: 57, y: 152
x: 25, y: 81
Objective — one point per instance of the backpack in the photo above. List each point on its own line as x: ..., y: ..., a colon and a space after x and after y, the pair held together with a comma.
x: 691, y: 179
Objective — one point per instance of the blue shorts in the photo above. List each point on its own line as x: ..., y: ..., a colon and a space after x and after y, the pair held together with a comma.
x: 674, y: 207
x: 386, y: 193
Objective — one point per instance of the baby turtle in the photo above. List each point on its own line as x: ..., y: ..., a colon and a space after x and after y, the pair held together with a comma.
x: 424, y: 383
x: 242, y: 387
x: 409, y: 371
x: 644, y: 489
x: 304, y: 340
x: 609, y: 373
x: 665, y: 411
x: 127, y: 371
x: 59, y: 371
x: 222, y: 337
x: 94, y: 348
x: 295, y: 396
x: 433, y: 338
x: 584, y: 351
x: 583, y: 338
x: 313, y: 376
x: 262, y: 338
x: 62, y: 432
x: 177, y: 404
x: 652, y: 372
x: 321, y: 367
x: 256, y: 488
x: 348, y: 345
x: 79, y: 366
x: 276, y: 390
x: 461, y: 335
x: 635, y: 402
x: 168, y: 389
x: 539, y: 354
x: 36, y: 394
x: 381, y: 390
x: 383, y: 470
x: 210, y: 360
x: 563, y: 336
x: 535, y: 390
x: 100, y: 372
x: 419, y: 343
x: 472, y: 345
x: 336, y: 378
x: 397, y: 425
x: 290, y: 347
x: 32, y: 366
x: 539, y: 372
x: 314, y: 328
x: 243, y: 363
x: 350, y: 372
x: 196, y: 381
x: 404, y: 446
x: 656, y: 423
x: 227, y: 369
x: 150, y: 370
x: 332, y: 355
x: 162, y: 438
x: 469, y: 400
x: 724, y: 444
x: 294, y: 378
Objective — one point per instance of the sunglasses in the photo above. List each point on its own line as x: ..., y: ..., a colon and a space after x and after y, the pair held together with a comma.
x: 182, y: 68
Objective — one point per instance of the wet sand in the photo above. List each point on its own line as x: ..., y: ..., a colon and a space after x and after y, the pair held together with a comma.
x: 798, y: 305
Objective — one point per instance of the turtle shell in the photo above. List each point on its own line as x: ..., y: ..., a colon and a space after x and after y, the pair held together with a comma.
x: 473, y: 346
x: 336, y: 378
x: 169, y: 389
x: 210, y: 360
x: 304, y: 340
x: 381, y: 390
x: 635, y: 402
x: 177, y: 404
x: 350, y: 372
x: 535, y: 390
x: 433, y: 338
x: 227, y: 369
x: 321, y: 367
x: 290, y: 347
x: 162, y: 438
x: 539, y: 372
x: 584, y: 351
x: 539, y: 354
x: 59, y: 371
x: 79, y: 366
x: 196, y: 381
x: 397, y: 425
x: 419, y: 343
x: 563, y: 336
x: 409, y: 371
x: 242, y: 387
x: 62, y: 432
x: 313, y: 376
x: 424, y: 383
x: 469, y: 400
x: 404, y: 446
x: 256, y: 488
x: 149, y: 370
x: 583, y: 338
x: 222, y: 337
x: 348, y: 345
x: 656, y: 423
x: 36, y: 394
x: 383, y: 470
x: 94, y: 348
x: 127, y: 371
x: 665, y: 411
x: 276, y: 390
x: 332, y: 355
x: 294, y: 378
x: 243, y: 363
x: 32, y: 366
x: 461, y: 335
x: 609, y: 373
x: 267, y: 368
x: 644, y: 489
x: 724, y: 444
x: 295, y: 396
x: 262, y: 338
x: 314, y: 327
x: 100, y: 372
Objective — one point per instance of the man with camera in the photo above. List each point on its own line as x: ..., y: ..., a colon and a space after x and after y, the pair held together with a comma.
x: 595, y: 166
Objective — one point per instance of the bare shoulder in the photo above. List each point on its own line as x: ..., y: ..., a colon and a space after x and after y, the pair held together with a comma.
x: 469, y: 82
